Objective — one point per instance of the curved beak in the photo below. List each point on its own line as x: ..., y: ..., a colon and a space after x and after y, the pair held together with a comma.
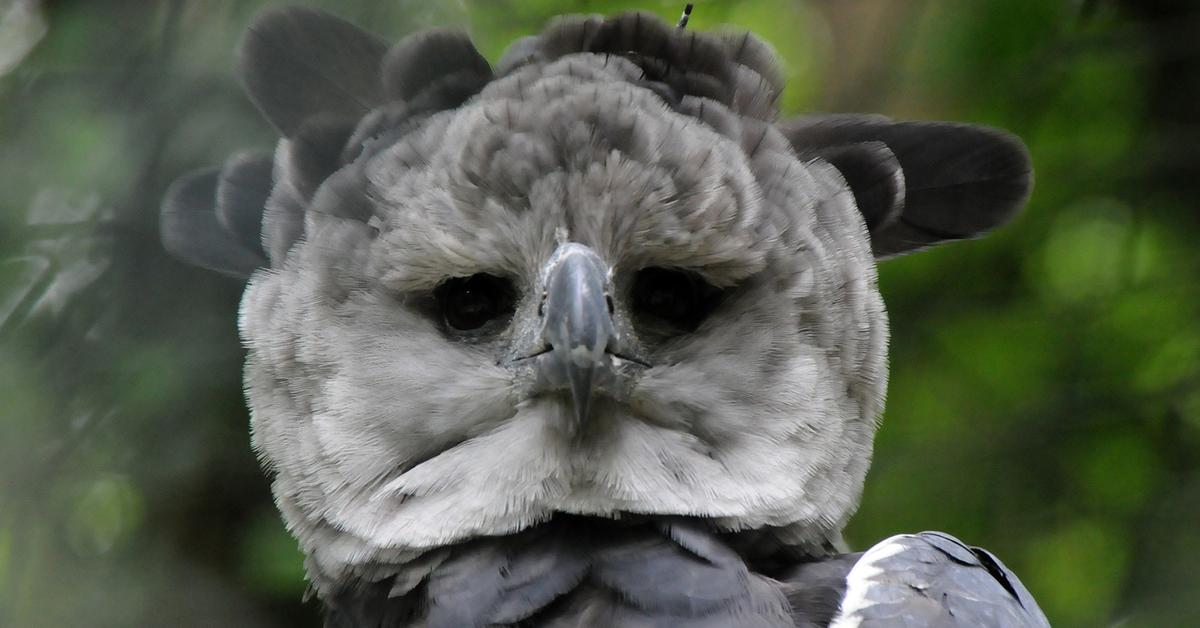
x: 577, y: 324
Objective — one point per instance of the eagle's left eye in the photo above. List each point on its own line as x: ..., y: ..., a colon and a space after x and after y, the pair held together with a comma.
x: 673, y: 300
x: 470, y: 303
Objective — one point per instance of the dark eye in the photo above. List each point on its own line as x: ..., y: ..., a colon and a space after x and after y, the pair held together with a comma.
x: 469, y: 303
x: 677, y: 298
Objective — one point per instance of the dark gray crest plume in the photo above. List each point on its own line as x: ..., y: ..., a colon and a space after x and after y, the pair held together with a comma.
x: 589, y: 453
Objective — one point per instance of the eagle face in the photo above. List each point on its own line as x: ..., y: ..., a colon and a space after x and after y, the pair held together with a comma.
x: 570, y: 297
x: 601, y: 279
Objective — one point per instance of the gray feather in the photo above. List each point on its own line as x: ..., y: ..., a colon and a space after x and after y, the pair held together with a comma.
x: 190, y: 230
x: 569, y: 570
x: 521, y: 52
x: 434, y: 60
x: 283, y: 215
x: 504, y: 581
x: 874, y: 176
x: 933, y: 579
x: 960, y: 180
x: 242, y: 191
x: 296, y: 63
x: 315, y: 152
x: 737, y: 71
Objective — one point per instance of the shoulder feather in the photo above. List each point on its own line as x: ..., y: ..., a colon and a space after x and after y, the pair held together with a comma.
x: 933, y: 579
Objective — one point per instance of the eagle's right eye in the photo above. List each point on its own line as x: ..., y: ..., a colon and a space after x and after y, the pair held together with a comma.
x: 470, y: 303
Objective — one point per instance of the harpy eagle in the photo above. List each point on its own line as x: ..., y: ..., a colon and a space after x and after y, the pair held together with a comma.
x: 590, y: 338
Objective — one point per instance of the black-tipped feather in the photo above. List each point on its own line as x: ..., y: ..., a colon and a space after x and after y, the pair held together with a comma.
x: 420, y: 61
x: 316, y: 150
x: 734, y: 71
x: 191, y: 231
x: 297, y: 63
x: 874, y: 176
x: 961, y: 180
x: 326, y: 83
x: 242, y: 191
x: 755, y: 54
x: 338, y: 95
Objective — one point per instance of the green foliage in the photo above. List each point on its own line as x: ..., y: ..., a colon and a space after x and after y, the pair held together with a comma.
x: 1080, y: 568
x: 271, y: 563
x: 1044, y: 401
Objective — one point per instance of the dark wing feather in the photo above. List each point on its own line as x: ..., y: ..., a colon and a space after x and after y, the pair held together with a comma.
x: 657, y: 577
x: 504, y: 581
x: 960, y: 180
x: 580, y: 572
x: 297, y: 63
x: 679, y: 573
x: 315, y: 152
x: 242, y: 192
x: 430, y: 58
x: 875, y: 178
x: 933, y: 579
x: 815, y: 589
x: 672, y: 573
x: 190, y: 228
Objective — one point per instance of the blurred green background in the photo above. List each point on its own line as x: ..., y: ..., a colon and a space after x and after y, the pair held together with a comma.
x: 1045, y: 396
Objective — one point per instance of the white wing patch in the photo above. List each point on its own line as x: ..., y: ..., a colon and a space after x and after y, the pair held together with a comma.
x: 863, y: 578
x: 933, y: 579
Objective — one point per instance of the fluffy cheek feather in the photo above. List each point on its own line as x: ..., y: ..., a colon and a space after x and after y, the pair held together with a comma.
x: 391, y: 442
x: 407, y: 452
x: 769, y: 441
x: 344, y: 402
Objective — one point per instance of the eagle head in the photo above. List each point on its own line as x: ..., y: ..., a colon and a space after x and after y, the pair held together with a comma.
x: 600, y: 279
